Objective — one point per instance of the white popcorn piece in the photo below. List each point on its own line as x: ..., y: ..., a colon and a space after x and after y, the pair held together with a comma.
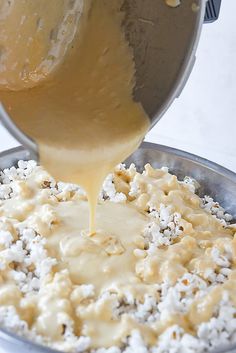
x: 6, y: 238
x: 219, y: 259
x: 110, y: 192
x: 5, y: 191
x: 216, y: 210
x: 164, y: 228
x: 191, y: 183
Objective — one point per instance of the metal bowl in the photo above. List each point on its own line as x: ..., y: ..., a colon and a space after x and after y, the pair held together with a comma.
x: 216, y: 181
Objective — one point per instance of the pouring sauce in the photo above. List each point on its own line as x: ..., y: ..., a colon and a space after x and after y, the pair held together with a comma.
x: 66, y: 79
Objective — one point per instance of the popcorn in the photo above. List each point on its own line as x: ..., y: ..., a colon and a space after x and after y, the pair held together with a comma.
x: 175, y: 256
x: 109, y: 191
x: 143, y: 312
x: 221, y: 329
x: 191, y: 183
x: 5, y: 238
x: 216, y: 210
x: 84, y: 291
x: 136, y: 343
x: 5, y: 191
x: 164, y: 228
x: 15, y: 253
x: 9, y: 318
x: 219, y: 259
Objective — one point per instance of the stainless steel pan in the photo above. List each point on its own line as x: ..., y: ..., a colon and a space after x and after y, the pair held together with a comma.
x: 164, y: 42
x: 216, y: 181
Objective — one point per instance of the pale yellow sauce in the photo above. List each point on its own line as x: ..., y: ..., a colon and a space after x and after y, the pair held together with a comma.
x: 81, y: 110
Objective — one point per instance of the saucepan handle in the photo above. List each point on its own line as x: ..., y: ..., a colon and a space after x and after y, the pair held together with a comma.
x: 212, y: 11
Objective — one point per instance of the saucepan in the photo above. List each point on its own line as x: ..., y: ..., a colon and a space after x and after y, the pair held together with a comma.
x: 215, y: 181
x: 164, y: 40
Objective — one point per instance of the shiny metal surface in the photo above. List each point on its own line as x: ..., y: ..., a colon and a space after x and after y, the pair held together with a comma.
x: 164, y: 42
x: 215, y: 181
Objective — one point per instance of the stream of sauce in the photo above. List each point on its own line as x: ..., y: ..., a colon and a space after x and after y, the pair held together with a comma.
x: 66, y: 79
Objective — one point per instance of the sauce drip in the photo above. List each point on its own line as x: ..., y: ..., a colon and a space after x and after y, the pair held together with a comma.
x: 76, y: 103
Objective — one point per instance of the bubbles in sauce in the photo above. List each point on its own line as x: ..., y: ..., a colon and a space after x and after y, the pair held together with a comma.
x: 67, y: 82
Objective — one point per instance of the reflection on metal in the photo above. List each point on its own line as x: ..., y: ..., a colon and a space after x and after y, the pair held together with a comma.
x: 164, y: 42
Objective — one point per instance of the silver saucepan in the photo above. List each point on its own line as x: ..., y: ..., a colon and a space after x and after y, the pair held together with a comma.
x: 164, y: 41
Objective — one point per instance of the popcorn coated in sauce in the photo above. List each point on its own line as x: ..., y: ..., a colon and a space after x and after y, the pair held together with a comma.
x: 183, y: 256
